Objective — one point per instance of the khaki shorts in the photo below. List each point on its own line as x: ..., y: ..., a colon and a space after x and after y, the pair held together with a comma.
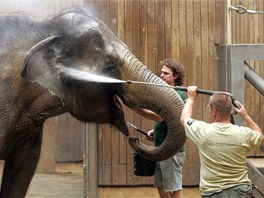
x: 168, y: 173
x: 240, y: 191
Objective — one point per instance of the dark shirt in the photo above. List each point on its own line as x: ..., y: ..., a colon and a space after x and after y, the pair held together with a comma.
x: 160, y: 128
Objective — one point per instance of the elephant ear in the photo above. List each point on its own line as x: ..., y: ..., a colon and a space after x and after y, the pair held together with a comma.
x: 40, y: 65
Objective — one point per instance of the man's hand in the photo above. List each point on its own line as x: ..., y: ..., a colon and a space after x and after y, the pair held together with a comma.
x: 241, y: 110
x: 192, y: 92
x: 150, y: 136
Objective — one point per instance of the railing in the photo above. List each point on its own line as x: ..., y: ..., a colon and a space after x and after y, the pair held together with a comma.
x: 232, y: 69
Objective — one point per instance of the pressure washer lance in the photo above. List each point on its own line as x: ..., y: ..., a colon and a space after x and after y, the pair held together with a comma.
x: 82, y: 75
x: 137, y: 129
x: 182, y: 88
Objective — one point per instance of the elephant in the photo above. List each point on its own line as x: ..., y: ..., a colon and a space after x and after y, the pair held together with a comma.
x: 34, y: 87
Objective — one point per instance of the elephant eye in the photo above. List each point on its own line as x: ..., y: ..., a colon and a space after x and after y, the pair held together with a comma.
x: 110, y: 66
x: 111, y: 69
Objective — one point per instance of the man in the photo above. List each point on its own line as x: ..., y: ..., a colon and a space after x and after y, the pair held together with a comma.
x: 222, y: 146
x: 168, y: 173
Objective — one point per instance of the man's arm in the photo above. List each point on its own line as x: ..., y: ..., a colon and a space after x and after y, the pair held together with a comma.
x: 187, y: 110
x: 188, y: 107
x: 249, y: 122
x: 148, y: 114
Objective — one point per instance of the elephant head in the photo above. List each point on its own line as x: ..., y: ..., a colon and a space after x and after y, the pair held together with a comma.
x: 76, y: 39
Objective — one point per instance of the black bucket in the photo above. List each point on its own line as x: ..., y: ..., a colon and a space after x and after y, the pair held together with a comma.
x: 142, y: 166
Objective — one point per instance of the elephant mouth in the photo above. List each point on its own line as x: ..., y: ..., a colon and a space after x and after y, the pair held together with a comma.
x: 95, y: 103
x: 118, y: 118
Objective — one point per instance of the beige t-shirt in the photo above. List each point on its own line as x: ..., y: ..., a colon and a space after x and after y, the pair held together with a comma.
x: 222, y: 149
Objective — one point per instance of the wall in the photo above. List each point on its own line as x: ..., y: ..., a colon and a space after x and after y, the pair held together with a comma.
x: 155, y: 30
x: 248, y: 29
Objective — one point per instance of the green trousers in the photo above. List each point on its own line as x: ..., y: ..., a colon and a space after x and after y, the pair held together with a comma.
x: 240, y: 191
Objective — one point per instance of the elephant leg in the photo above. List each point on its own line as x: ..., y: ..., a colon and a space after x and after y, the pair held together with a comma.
x: 20, y: 167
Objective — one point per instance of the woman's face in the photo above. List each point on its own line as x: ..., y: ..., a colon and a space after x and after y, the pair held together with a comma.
x: 167, y: 75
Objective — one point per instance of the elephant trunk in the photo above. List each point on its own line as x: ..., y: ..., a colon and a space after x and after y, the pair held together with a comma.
x: 164, y: 101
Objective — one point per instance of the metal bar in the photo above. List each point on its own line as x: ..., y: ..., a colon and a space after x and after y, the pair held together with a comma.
x: 137, y: 129
x: 182, y: 88
x: 201, y: 91
x: 256, y: 177
x: 242, y: 10
x: 208, y: 92
x: 256, y: 80
x: 86, y: 76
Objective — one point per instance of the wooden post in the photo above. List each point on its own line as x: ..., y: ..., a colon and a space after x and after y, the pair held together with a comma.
x: 90, y: 189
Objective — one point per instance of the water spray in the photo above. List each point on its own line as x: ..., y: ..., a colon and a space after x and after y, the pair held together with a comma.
x: 86, y: 76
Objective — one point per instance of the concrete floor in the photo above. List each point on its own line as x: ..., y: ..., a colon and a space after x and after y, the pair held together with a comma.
x: 68, y: 183
x: 56, y: 185
x: 71, y: 185
x: 143, y: 192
